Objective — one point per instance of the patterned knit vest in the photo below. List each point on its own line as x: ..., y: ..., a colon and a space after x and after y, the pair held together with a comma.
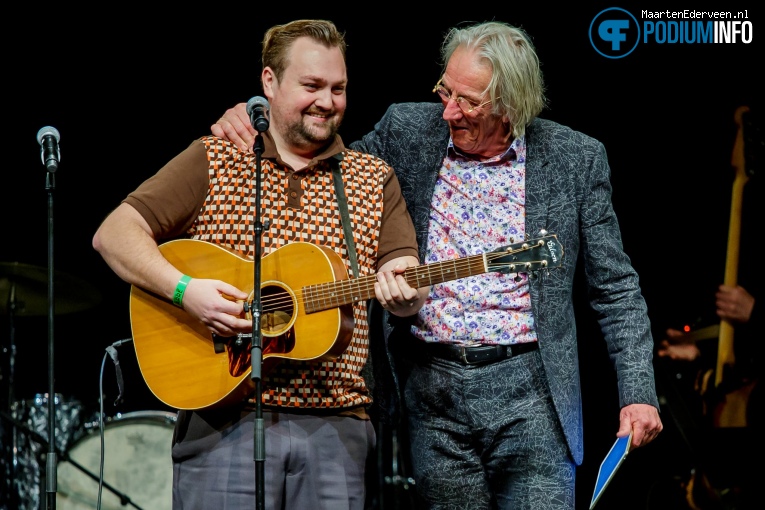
x: 226, y: 218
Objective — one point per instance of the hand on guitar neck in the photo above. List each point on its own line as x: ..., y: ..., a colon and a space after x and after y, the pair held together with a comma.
x: 733, y: 304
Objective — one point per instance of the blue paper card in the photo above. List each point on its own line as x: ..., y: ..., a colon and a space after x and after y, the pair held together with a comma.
x: 610, y: 464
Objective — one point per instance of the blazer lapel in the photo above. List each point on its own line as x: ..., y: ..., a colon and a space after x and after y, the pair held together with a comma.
x: 538, y: 182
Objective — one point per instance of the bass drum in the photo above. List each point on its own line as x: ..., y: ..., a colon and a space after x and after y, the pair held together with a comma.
x: 136, y: 460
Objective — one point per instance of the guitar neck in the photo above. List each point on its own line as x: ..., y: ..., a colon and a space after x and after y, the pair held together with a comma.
x: 725, y: 354
x: 333, y: 294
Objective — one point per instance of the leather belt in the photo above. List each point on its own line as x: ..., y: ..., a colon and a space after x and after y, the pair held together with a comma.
x: 478, y: 354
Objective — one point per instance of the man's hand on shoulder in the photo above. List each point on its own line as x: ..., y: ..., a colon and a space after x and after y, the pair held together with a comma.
x: 235, y: 127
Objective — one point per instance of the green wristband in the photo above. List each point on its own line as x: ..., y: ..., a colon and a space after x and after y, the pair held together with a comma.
x: 180, y: 289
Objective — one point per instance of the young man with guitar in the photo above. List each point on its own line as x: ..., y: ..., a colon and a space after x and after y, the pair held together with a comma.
x: 330, y: 213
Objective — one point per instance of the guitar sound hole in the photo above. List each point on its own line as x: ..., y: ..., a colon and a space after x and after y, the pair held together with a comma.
x: 278, y: 309
x: 277, y: 320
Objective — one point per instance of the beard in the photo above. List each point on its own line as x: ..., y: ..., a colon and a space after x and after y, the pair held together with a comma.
x: 303, y: 134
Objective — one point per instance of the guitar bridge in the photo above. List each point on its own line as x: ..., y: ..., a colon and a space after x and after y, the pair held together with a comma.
x: 238, y: 348
x: 219, y: 344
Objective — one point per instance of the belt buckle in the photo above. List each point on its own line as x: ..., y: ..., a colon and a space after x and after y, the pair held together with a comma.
x: 463, y: 356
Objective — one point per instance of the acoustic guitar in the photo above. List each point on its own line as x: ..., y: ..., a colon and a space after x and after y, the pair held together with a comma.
x: 306, y: 301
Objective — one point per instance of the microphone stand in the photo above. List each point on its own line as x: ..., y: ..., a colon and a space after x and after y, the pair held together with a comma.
x: 51, y: 459
x: 256, y: 355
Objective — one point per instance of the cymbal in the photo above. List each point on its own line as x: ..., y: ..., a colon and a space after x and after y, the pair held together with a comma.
x: 27, y: 286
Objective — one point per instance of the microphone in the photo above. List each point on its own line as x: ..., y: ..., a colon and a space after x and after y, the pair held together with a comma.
x: 257, y: 109
x: 50, y: 154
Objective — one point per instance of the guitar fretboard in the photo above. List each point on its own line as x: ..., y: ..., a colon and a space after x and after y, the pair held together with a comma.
x: 515, y: 258
x: 331, y: 295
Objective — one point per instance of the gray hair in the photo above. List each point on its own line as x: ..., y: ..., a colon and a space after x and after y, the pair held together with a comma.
x: 516, y: 78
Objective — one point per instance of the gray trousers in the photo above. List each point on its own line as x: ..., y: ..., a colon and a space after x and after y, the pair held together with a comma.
x: 311, y: 462
x: 486, y: 436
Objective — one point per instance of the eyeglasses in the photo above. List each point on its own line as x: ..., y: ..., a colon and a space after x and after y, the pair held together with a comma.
x: 465, y: 104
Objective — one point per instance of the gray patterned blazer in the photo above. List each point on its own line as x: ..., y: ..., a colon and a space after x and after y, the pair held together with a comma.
x: 568, y: 193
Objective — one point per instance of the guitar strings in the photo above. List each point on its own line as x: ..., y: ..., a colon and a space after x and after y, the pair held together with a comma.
x: 328, y: 295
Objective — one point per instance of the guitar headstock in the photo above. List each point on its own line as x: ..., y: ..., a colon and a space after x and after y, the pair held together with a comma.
x: 738, y: 159
x: 527, y: 256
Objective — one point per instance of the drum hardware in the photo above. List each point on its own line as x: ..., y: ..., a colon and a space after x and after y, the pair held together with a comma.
x: 137, y: 458
x: 395, y: 486
x: 24, y: 293
x: 28, y: 444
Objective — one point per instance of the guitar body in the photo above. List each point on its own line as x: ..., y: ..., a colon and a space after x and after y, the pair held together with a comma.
x: 726, y: 405
x: 178, y: 357
x: 732, y: 410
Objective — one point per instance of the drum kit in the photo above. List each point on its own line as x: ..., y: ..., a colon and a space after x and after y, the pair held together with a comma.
x: 111, y: 463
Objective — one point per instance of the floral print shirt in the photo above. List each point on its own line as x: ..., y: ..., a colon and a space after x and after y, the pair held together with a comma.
x: 478, y: 206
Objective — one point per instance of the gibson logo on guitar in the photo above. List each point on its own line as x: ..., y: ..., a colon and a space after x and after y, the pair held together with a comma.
x: 552, y: 247
x: 306, y: 299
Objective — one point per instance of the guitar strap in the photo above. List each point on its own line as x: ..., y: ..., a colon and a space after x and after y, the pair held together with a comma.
x: 367, y: 370
x: 334, y: 163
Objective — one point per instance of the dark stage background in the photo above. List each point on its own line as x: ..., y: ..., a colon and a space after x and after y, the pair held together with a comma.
x: 129, y: 90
